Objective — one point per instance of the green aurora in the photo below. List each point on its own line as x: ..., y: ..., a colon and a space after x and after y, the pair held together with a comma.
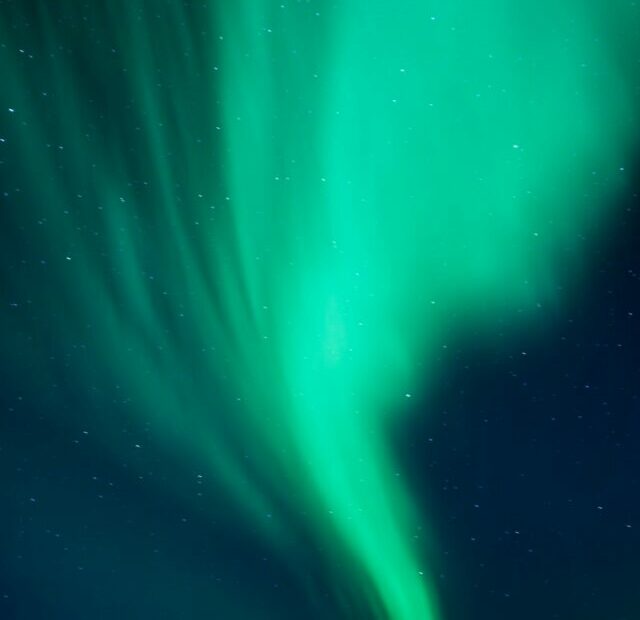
x: 263, y: 220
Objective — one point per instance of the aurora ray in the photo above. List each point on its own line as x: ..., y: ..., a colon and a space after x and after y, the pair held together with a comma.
x: 317, y: 195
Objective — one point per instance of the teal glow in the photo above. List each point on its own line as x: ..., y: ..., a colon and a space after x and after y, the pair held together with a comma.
x: 262, y: 220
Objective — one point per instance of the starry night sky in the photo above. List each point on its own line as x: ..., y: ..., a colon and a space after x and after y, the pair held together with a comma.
x: 538, y: 492
x: 149, y: 463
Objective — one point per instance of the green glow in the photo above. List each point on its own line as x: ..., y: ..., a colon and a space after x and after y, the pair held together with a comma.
x: 267, y: 217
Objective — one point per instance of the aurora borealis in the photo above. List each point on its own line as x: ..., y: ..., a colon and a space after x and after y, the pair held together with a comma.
x: 240, y: 241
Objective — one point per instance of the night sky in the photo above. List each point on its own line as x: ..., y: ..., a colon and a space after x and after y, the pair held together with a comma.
x: 319, y: 310
x: 537, y: 493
